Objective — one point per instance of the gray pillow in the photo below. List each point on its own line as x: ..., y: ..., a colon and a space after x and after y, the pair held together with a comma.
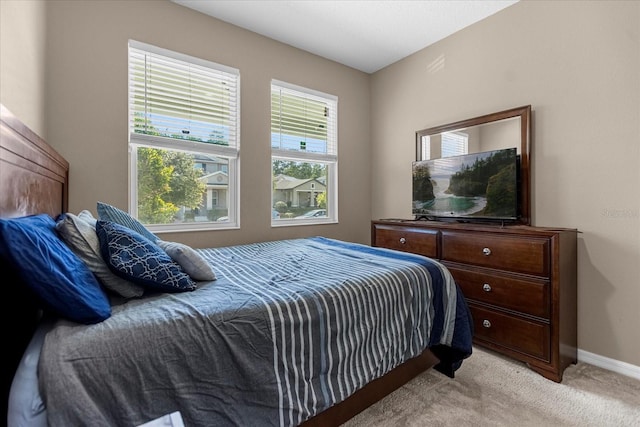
x: 80, y: 235
x: 189, y: 259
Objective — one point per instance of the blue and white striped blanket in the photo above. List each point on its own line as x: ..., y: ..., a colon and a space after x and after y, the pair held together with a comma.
x: 287, y: 330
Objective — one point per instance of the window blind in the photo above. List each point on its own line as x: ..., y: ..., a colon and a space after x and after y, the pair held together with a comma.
x: 454, y: 144
x: 303, y: 120
x: 181, y: 97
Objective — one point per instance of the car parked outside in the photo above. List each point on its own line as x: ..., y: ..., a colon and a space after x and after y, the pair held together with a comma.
x: 274, y: 215
x: 314, y: 213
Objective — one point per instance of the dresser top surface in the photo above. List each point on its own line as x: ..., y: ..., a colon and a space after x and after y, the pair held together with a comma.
x: 470, y: 226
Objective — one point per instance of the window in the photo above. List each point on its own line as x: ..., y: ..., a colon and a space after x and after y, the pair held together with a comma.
x: 454, y: 144
x: 446, y: 144
x: 304, y: 155
x: 183, y: 140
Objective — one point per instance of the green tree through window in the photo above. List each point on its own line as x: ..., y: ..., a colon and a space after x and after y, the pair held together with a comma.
x: 167, y: 180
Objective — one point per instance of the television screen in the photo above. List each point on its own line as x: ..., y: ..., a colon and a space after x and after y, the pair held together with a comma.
x: 481, y: 186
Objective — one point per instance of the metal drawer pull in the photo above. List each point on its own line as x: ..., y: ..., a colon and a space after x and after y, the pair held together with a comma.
x: 486, y: 287
x: 486, y: 323
x: 403, y: 240
x: 486, y: 251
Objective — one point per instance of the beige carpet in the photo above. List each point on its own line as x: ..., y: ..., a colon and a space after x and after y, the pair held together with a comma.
x: 491, y: 390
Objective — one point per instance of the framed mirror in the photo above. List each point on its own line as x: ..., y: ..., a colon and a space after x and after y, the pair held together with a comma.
x: 501, y: 130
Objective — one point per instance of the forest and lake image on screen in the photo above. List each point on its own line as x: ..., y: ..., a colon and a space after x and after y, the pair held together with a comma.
x: 480, y: 185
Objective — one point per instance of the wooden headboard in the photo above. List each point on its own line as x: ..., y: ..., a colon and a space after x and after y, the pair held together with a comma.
x: 33, y: 176
x: 34, y: 179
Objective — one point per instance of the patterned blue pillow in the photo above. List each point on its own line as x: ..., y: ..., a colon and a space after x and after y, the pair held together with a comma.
x: 46, y: 265
x: 133, y: 257
x: 111, y: 213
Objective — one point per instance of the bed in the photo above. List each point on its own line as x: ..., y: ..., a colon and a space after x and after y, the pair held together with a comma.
x: 295, y: 332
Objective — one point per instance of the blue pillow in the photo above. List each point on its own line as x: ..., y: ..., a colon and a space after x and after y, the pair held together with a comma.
x: 46, y: 265
x: 133, y: 257
x: 111, y: 213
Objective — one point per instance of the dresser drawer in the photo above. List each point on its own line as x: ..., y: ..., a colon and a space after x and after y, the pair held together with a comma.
x: 515, y: 333
x: 512, y: 293
x: 415, y: 240
x: 517, y: 254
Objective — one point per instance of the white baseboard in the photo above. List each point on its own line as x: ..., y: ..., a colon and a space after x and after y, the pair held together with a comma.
x: 623, y: 368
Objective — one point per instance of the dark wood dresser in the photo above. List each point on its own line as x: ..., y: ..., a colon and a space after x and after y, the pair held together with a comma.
x: 520, y: 283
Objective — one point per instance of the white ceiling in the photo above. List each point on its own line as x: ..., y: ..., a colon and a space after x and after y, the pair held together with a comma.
x: 363, y: 34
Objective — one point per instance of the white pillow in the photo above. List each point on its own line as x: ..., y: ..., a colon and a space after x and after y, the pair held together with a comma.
x: 87, y: 216
x: 191, y: 261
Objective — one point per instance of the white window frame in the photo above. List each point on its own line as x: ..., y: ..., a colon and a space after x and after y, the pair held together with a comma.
x: 230, y: 153
x: 329, y: 159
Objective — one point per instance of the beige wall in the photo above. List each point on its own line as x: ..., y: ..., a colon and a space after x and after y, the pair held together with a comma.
x: 22, y: 61
x: 86, y: 106
x: 499, y: 135
x: 578, y: 65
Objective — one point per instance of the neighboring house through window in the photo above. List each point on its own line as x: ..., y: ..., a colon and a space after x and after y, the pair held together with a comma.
x: 183, y: 139
x: 304, y: 154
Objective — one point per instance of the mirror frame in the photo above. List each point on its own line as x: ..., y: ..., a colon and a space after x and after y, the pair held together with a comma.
x: 524, y: 113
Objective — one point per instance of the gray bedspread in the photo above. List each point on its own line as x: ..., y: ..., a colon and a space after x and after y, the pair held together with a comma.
x: 287, y: 330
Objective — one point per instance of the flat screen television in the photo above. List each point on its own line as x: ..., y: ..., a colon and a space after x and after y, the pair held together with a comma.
x: 478, y: 187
